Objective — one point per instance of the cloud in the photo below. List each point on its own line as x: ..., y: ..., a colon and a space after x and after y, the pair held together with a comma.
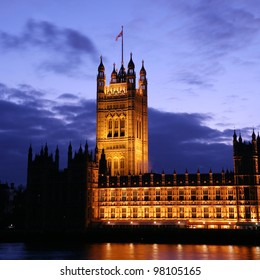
x: 219, y: 27
x: 68, y: 96
x: 22, y: 123
x: 192, y: 79
x: 180, y: 140
x: 208, y: 37
x: 67, y: 48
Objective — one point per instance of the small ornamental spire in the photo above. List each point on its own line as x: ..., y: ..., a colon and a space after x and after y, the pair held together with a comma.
x: 253, y: 135
x: 101, y: 67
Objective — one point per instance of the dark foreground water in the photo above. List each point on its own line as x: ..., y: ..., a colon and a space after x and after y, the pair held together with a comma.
x: 127, y: 251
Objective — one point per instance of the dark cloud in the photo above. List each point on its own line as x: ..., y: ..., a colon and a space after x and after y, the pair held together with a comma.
x: 22, y: 123
x: 176, y: 141
x: 68, y: 47
x: 68, y: 96
x: 179, y: 141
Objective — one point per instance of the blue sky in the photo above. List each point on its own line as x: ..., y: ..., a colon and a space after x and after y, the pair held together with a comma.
x: 202, y: 60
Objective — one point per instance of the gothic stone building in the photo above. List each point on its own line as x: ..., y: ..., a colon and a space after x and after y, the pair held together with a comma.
x: 127, y: 195
x: 115, y: 188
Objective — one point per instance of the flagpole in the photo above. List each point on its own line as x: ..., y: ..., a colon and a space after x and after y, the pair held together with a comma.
x: 122, y: 46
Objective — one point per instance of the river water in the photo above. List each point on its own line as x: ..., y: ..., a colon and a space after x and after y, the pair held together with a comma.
x: 126, y: 251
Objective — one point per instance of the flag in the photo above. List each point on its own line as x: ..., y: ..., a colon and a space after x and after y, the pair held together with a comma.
x: 119, y: 35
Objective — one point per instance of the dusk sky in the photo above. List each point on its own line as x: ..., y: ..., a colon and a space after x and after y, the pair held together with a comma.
x: 203, y: 67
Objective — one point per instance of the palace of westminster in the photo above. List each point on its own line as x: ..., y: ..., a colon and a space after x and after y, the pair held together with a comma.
x: 114, y: 188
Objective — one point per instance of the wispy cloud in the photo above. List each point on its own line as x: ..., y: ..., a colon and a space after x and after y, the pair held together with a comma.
x: 207, y: 34
x: 69, y: 48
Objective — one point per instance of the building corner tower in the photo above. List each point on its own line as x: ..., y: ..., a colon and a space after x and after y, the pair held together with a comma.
x: 122, y: 120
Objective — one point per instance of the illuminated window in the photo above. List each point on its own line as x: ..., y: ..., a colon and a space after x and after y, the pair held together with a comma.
x: 109, y: 133
x: 181, y: 212
x: 122, y: 127
x: 146, y: 212
x: 102, y: 213
x: 135, y: 195
x: 217, y: 194
x: 241, y: 194
x: 206, y: 212
x: 113, y: 213
x: 230, y: 194
x: 193, y: 194
x: 115, y: 166
x: 248, y: 212
x: 218, y: 212
x: 102, y: 196
x: 122, y: 166
x: 109, y: 165
x: 123, y: 195
x: 169, y: 195
x: 135, y: 211
x: 158, y: 195
x: 193, y: 212
x: 205, y: 194
x: 169, y: 212
x: 181, y: 194
x: 113, y: 195
x: 123, y: 213
x: 116, y: 128
x: 231, y: 212
x: 146, y: 195
x: 158, y: 212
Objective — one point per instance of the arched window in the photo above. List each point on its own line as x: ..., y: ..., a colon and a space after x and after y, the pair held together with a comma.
x: 109, y: 125
x: 109, y: 165
x: 122, y: 166
x: 122, y: 127
x: 116, y: 167
x: 116, y: 128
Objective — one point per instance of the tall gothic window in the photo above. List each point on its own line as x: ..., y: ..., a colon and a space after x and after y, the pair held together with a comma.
x: 122, y: 127
x: 122, y: 166
x: 109, y: 165
x: 115, y: 166
x: 116, y: 128
x: 109, y: 134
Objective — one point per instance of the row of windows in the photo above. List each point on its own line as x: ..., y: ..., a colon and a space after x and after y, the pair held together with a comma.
x: 116, y: 127
x: 146, y: 196
x: 115, y: 106
x: 116, y: 166
x: 146, y: 213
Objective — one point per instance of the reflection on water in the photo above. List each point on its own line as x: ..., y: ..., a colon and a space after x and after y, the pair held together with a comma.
x: 128, y: 251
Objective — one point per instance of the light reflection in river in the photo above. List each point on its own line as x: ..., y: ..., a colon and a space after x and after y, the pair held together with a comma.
x: 129, y: 251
